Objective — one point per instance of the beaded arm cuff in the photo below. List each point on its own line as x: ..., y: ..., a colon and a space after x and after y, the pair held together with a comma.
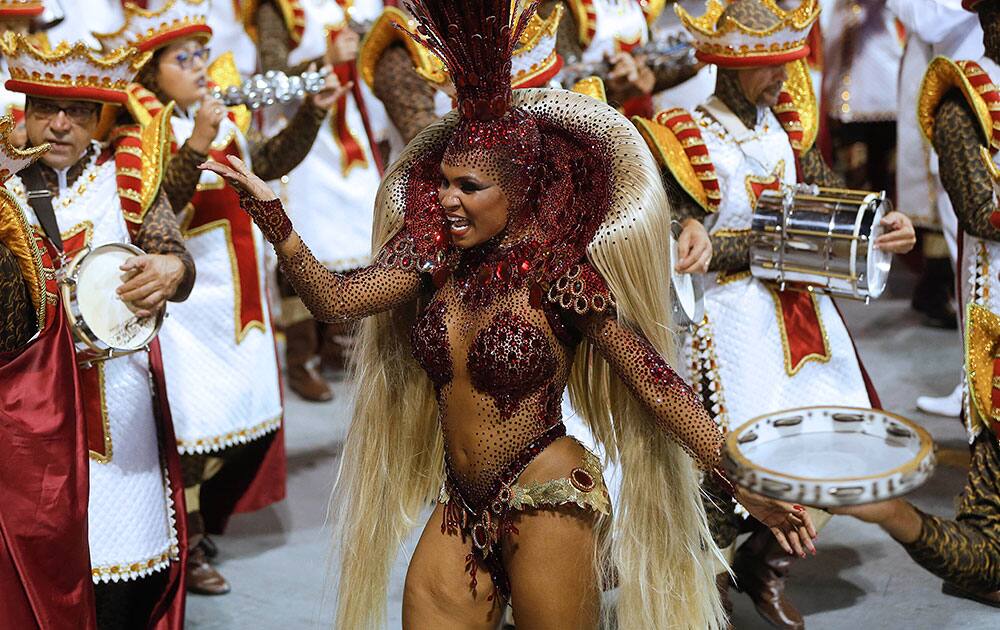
x: 269, y: 216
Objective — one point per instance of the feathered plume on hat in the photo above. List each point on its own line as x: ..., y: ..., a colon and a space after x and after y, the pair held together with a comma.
x: 476, y: 41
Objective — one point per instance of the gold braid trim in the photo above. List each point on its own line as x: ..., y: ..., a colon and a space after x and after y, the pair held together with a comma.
x: 942, y: 76
x: 385, y: 33
x: 670, y: 152
x: 800, y: 87
x: 982, y: 344
x: 592, y: 87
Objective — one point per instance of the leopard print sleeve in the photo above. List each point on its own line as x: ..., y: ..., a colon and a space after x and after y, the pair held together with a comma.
x: 273, y: 42
x: 816, y: 171
x: 160, y: 234
x: 957, y: 139
x: 18, y: 323
x: 180, y: 178
x: 408, y: 98
x: 277, y: 156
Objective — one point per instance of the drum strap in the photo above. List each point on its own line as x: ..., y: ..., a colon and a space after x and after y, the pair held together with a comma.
x: 40, y: 200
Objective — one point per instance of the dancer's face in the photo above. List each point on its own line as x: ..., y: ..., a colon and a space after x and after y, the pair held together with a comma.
x: 762, y: 85
x: 181, y: 71
x: 475, y: 207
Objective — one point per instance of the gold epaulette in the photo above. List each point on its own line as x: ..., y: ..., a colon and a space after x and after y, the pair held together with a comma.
x: 224, y: 73
x: 385, y: 32
x: 141, y: 154
x: 976, y: 87
x: 652, y: 9
x: 292, y: 14
x: 982, y: 359
x: 593, y: 87
x: 796, y: 109
x: 585, y: 16
x: 675, y: 140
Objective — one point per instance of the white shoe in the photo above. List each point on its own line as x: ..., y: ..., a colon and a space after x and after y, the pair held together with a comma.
x: 949, y: 406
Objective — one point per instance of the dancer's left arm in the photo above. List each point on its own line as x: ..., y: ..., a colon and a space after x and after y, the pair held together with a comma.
x: 678, y: 411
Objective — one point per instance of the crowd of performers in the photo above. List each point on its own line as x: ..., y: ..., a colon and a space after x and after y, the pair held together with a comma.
x: 475, y: 249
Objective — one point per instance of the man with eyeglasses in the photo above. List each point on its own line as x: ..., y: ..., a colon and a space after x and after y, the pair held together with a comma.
x: 79, y: 194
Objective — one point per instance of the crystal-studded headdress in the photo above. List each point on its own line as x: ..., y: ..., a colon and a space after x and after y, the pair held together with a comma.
x: 750, y: 32
x: 70, y: 71
x: 565, y: 157
x: 148, y: 30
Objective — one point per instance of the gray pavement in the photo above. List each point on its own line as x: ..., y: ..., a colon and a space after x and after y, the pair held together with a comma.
x: 278, y: 559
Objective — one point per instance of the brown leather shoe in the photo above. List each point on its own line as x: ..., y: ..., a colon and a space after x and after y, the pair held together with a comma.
x: 202, y: 578
x: 989, y: 598
x: 301, y: 346
x: 761, y: 566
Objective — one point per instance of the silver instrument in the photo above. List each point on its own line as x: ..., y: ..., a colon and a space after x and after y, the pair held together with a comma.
x: 671, y: 51
x: 686, y: 289
x: 823, y: 238
x: 829, y: 456
x: 271, y: 88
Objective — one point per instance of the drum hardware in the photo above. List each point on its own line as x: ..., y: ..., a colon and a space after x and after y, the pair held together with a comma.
x: 822, y: 239
x: 271, y: 88
x: 103, y: 325
x: 686, y: 289
x: 816, y: 460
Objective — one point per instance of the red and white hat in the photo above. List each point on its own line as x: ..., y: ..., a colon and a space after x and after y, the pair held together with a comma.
x: 149, y: 30
x: 70, y: 71
x: 535, y: 61
x: 20, y: 9
x: 745, y: 33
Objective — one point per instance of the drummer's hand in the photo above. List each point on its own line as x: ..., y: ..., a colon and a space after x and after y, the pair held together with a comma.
x: 790, y: 524
x: 896, y: 516
x: 899, y: 237
x: 150, y: 280
x: 694, y: 248
x: 332, y: 90
x: 629, y: 77
x: 240, y: 177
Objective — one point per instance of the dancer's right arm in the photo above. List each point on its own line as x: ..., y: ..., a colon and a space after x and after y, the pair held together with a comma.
x: 390, y: 281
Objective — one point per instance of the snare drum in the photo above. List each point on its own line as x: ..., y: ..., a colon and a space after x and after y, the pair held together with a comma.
x: 829, y: 456
x: 687, y: 301
x: 823, y: 238
x: 100, y: 321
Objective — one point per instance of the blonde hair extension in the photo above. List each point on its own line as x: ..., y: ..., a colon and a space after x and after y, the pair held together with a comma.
x: 660, y: 552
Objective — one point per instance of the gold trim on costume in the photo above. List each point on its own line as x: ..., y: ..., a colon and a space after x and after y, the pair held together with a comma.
x: 592, y: 87
x: 792, y: 370
x: 219, y: 442
x: 799, y: 86
x: 19, y: 238
x: 105, y: 420
x: 982, y: 343
x: 669, y: 152
x: 382, y: 34
x: 942, y: 75
x: 223, y: 224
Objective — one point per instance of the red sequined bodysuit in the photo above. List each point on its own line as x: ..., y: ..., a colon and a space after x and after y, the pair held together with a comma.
x: 498, y: 344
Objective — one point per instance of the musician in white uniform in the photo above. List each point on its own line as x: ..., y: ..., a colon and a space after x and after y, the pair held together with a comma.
x: 332, y: 192
x: 957, y: 104
x: 218, y: 348
x: 758, y: 350
x: 85, y: 194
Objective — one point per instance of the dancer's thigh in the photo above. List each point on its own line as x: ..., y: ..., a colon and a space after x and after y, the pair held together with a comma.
x: 437, y: 592
x: 550, y: 564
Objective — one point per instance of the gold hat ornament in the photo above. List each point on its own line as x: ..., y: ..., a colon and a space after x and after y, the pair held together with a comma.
x: 70, y: 71
x: 148, y: 30
x: 745, y: 33
x: 25, y: 9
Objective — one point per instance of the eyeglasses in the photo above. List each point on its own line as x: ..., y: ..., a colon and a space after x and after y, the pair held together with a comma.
x: 79, y: 113
x: 185, y: 60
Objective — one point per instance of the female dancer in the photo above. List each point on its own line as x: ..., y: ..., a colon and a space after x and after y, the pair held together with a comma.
x: 517, y: 252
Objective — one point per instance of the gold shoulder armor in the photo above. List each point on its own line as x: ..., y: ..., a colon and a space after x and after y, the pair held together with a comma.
x: 224, y: 73
x: 675, y: 140
x: 976, y: 87
x: 385, y: 32
x: 593, y: 87
x: 799, y: 87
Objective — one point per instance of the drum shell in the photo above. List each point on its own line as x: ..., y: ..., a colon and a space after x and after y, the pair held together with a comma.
x: 834, y: 491
x: 823, y: 241
x: 85, y: 339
